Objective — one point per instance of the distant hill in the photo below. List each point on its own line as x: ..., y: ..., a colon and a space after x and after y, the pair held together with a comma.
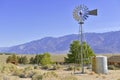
x: 108, y: 42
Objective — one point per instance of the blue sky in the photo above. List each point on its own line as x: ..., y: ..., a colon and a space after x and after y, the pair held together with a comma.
x: 22, y: 21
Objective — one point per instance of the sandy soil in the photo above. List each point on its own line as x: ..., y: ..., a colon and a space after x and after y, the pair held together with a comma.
x: 112, y: 75
x: 89, y: 75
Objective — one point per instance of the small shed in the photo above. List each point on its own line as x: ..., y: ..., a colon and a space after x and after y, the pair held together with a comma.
x: 114, y: 60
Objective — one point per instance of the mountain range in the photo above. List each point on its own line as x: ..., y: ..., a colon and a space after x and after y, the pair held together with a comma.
x: 108, y: 42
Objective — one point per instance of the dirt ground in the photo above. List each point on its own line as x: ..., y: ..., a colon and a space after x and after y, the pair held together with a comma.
x: 89, y: 75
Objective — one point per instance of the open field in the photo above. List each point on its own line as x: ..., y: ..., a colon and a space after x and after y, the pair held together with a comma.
x: 60, y: 74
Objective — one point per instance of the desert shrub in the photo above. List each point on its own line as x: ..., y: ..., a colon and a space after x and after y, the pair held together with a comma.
x: 37, y: 59
x: 12, y: 59
x: 111, y: 67
x: 23, y: 60
x: 36, y: 72
x: 32, y: 60
x: 5, y: 70
x: 70, y: 68
x: 36, y: 67
x: 56, y: 67
x: 37, y: 77
x: 12, y: 67
x: 26, y: 74
x: 69, y: 78
x: 77, y: 68
x: 50, y: 76
x: 29, y: 68
x: 18, y: 72
x: 48, y: 66
x: 8, y: 68
x: 45, y: 76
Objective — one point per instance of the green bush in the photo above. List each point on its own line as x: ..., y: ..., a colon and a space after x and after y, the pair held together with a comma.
x: 41, y: 59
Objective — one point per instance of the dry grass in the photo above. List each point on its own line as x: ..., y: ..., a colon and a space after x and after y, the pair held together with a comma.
x: 109, y: 54
x: 58, y: 57
x: 59, y: 74
x: 3, y: 58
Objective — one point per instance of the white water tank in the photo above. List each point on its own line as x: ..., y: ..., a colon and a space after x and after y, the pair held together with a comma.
x: 101, y: 64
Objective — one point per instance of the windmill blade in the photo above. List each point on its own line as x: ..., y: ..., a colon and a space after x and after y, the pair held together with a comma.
x: 93, y: 12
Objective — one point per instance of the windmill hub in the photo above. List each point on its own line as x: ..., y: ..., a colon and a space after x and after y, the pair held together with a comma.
x: 80, y: 13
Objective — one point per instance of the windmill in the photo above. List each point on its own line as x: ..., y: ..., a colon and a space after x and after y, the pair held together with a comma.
x: 80, y: 14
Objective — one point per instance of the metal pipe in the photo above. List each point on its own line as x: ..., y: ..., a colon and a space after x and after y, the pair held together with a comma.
x: 81, y: 49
